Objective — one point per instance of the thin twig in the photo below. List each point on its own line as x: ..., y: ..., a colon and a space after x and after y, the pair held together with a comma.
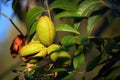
x: 48, y: 10
x: 12, y: 23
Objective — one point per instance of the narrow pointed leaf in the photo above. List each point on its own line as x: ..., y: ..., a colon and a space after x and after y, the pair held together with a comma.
x: 82, y: 11
x: 63, y: 4
x: 92, y: 21
x: 66, y: 27
x: 86, y: 6
x: 67, y: 14
x: 68, y: 42
x: 114, y: 74
x: 79, y: 58
x: 76, y: 25
x: 32, y: 15
x: 33, y: 28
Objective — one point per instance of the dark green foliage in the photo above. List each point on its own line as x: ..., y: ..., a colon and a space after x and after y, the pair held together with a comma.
x: 68, y: 42
x: 79, y: 58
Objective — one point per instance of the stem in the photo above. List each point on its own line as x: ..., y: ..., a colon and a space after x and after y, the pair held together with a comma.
x: 12, y: 23
x: 105, y: 3
x: 48, y: 10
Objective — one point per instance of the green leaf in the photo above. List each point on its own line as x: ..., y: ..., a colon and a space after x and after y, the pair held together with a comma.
x: 93, y: 63
x: 107, y: 66
x: 68, y: 42
x: 32, y: 15
x: 57, y: 70
x: 114, y: 74
x: 76, y: 25
x: 92, y: 21
x: 79, y: 58
x: 86, y: 6
x: 69, y: 77
x: 66, y: 14
x: 84, y: 40
x: 95, y: 17
x: 33, y: 28
x: 66, y: 27
x: 63, y: 4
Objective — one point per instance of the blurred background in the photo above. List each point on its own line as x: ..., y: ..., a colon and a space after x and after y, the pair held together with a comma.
x: 8, y: 33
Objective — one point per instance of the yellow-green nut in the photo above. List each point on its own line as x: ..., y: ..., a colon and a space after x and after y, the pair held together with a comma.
x: 45, y: 30
x: 53, y: 48
x: 31, y: 48
x: 58, y: 56
x: 61, y: 58
x: 42, y: 53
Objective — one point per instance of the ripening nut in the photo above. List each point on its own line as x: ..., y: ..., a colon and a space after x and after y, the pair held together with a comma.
x: 31, y: 48
x: 53, y: 48
x: 59, y: 56
x: 45, y: 30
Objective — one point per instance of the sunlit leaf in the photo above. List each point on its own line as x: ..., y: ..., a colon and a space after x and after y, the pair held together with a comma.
x: 66, y: 27
x: 33, y: 28
x: 86, y: 6
x: 67, y: 14
x: 68, y: 42
x: 32, y: 15
x: 69, y: 77
x: 76, y: 25
x: 82, y: 11
x: 63, y: 4
x: 92, y: 21
x: 79, y: 58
